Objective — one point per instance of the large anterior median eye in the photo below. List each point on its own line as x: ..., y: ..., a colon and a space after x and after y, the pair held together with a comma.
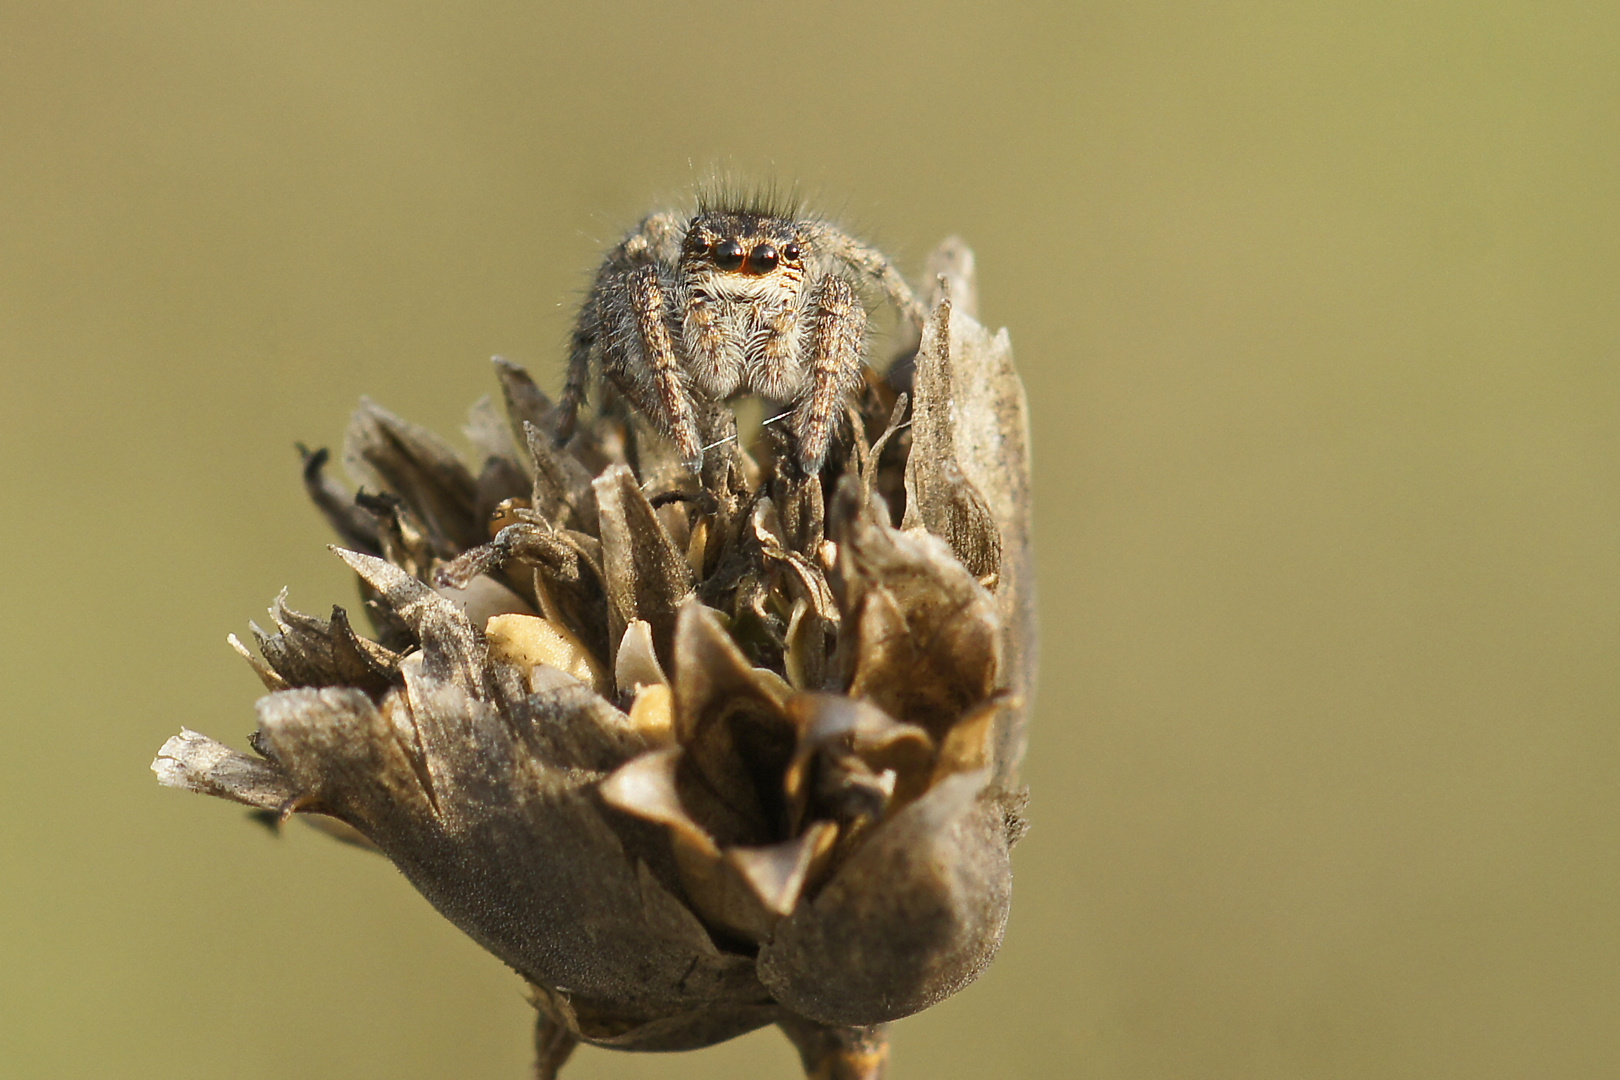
x: 728, y: 255
x: 762, y: 260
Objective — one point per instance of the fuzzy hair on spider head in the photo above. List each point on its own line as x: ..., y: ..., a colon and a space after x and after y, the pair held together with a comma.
x: 748, y: 295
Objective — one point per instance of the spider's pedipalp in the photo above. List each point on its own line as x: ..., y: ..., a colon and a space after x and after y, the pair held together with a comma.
x: 713, y: 354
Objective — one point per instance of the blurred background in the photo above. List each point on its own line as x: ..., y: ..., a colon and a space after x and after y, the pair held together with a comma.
x: 1319, y: 310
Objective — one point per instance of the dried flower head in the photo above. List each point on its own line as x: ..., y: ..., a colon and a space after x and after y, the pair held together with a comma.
x: 691, y: 752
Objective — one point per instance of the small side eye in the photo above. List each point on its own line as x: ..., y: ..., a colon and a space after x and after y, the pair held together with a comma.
x: 763, y: 259
x: 728, y: 255
x: 791, y: 251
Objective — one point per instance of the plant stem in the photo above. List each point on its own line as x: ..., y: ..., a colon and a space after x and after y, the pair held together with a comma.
x: 839, y: 1053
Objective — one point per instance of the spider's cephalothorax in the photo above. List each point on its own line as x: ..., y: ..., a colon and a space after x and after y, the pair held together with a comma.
x: 748, y: 300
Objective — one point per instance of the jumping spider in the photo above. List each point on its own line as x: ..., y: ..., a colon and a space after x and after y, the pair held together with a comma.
x: 743, y: 297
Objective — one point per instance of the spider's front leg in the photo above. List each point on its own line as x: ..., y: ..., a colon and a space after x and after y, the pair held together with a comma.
x: 601, y: 329
x: 644, y: 366
x: 661, y: 382
x: 837, y: 335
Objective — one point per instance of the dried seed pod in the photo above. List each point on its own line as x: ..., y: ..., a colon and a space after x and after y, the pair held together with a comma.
x: 691, y: 753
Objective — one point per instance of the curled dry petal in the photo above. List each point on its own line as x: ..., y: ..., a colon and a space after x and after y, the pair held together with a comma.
x: 637, y: 662
x: 729, y: 717
x: 834, y: 722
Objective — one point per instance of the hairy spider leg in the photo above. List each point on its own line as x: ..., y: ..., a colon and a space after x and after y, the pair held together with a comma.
x: 579, y: 376
x: 874, y: 264
x: 656, y: 240
x: 837, y: 338
x: 658, y: 386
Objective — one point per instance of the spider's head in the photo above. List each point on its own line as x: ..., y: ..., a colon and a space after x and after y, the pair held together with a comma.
x: 740, y: 245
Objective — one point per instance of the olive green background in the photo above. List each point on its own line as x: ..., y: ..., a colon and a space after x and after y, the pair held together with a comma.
x: 1319, y: 310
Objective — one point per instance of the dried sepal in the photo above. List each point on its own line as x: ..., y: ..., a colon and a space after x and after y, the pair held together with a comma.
x: 922, y: 637
x: 307, y: 651
x: 563, y: 494
x: 456, y: 793
x: 355, y: 525
x: 450, y: 648
x: 647, y: 575
x: 194, y: 762
x: 526, y: 404
x: 501, y: 474
x: 939, y: 496
x: 990, y: 434
x: 567, y: 727
x: 391, y: 454
x: 267, y: 674
x: 911, y: 917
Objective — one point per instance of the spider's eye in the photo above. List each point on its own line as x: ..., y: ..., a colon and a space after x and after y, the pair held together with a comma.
x: 791, y: 251
x: 728, y: 255
x: 763, y: 259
